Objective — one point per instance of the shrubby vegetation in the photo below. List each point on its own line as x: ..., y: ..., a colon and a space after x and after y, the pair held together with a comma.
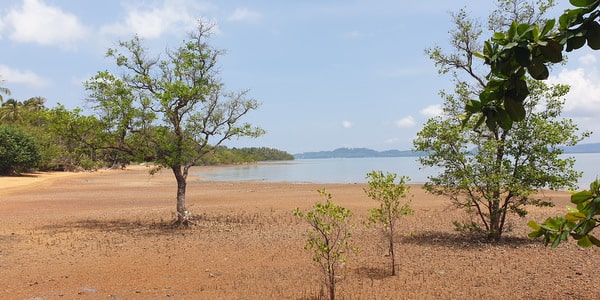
x: 383, y: 189
x: 517, y: 152
x: 18, y: 152
x: 66, y: 139
x: 328, y: 238
x: 224, y: 155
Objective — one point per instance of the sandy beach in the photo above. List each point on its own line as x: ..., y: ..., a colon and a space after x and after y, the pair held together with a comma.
x: 105, y: 235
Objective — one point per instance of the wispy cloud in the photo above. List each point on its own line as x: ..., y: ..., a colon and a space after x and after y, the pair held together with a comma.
x: 406, y: 122
x: 153, y: 21
x: 37, y: 22
x: 23, y: 77
x: 353, y: 35
x: 244, y: 15
x: 346, y: 124
x: 432, y: 111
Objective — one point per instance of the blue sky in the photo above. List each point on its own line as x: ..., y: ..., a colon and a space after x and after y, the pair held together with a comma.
x: 329, y: 74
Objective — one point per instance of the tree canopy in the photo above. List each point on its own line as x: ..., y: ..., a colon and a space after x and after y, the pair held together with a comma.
x: 170, y: 108
x: 495, y: 169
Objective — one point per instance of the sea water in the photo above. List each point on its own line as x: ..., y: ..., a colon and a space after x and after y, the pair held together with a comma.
x: 354, y: 170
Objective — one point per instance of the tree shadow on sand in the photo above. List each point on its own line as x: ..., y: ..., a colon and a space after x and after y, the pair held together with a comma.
x: 373, y: 273
x: 463, y: 240
x: 118, y: 226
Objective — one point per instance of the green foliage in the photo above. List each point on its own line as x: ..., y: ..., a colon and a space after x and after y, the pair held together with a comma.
x: 224, y: 155
x: 328, y: 238
x: 383, y: 189
x: 18, y: 151
x: 578, y: 223
x: 172, y: 108
x: 529, y: 48
x: 496, y: 169
x: 490, y: 173
x: 70, y: 140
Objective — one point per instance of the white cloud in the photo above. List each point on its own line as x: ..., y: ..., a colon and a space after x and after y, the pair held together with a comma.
x: 37, y: 22
x: 346, y: 124
x: 583, y: 98
x: 587, y: 59
x: 244, y: 15
x: 432, y: 111
x: 352, y: 35
x: 405, y: 122
x: 22, y: 77
x: 152, y: 22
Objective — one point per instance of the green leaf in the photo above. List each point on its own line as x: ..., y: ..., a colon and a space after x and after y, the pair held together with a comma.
x: 534, y: 225
x: 580, y: 197
x: 512, y: 31
x: 575, y: 216
x: 581, y: 3
x: 498, y: 36
x: 479, y: 122
x: 593, y: 35
x: 536, y: 234
x: 538, y: 70
x: 594, y: 186
x: 515, y: 109
x: 548, y: 27
x: 594, y: 240
x: 473, y: 106
x: 552, y: 51
x: 556, y: 242
x: 522, y: 55
x: 585, y: 242
x: 504, y: 120
x: 575, y: 42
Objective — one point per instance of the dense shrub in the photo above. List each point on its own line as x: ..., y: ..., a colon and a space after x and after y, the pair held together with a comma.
x: 18, y: 151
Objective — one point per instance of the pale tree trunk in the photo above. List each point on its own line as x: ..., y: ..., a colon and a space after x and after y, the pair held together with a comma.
x: 183, y: 215
x: 393, y: 256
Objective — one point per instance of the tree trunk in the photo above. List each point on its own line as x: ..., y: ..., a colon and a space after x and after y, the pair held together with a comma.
x: 182, y: 212
x: 392, y: 250
x: 495, y: 231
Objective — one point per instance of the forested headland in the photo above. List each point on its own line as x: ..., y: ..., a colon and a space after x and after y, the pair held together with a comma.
x: 35, y: 137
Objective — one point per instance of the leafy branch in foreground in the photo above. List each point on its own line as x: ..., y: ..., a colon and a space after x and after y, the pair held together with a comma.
x: 329, y: 238
x: 578, y: 222
x: 382, y: 188
x: 529, y: 49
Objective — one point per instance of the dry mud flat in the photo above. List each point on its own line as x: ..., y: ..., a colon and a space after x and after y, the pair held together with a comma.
x: 105, y: 236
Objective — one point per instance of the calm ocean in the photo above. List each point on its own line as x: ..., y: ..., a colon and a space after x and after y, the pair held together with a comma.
x: 353, y: 170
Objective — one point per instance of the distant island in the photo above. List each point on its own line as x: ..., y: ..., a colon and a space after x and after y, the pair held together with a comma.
x: 357, y: 152
x: 366, y: 152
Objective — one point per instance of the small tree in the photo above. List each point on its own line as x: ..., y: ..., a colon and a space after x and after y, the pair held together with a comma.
x: 496, y: 169
x: 329, y: 238
x: 18, y: 152
x: 170, y: 109
x: 382, y: 188
x: 492, y: 173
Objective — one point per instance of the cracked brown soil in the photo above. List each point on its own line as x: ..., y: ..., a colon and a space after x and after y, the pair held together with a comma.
x: 106, y: 235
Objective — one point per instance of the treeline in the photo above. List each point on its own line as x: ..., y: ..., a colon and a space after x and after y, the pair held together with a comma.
x: 35, y: 137
x: 224, y: 155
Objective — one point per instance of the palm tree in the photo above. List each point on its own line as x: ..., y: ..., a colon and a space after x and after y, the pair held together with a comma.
x: 3, y: 90
x: 10, y: 111
x: 34, y: 104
